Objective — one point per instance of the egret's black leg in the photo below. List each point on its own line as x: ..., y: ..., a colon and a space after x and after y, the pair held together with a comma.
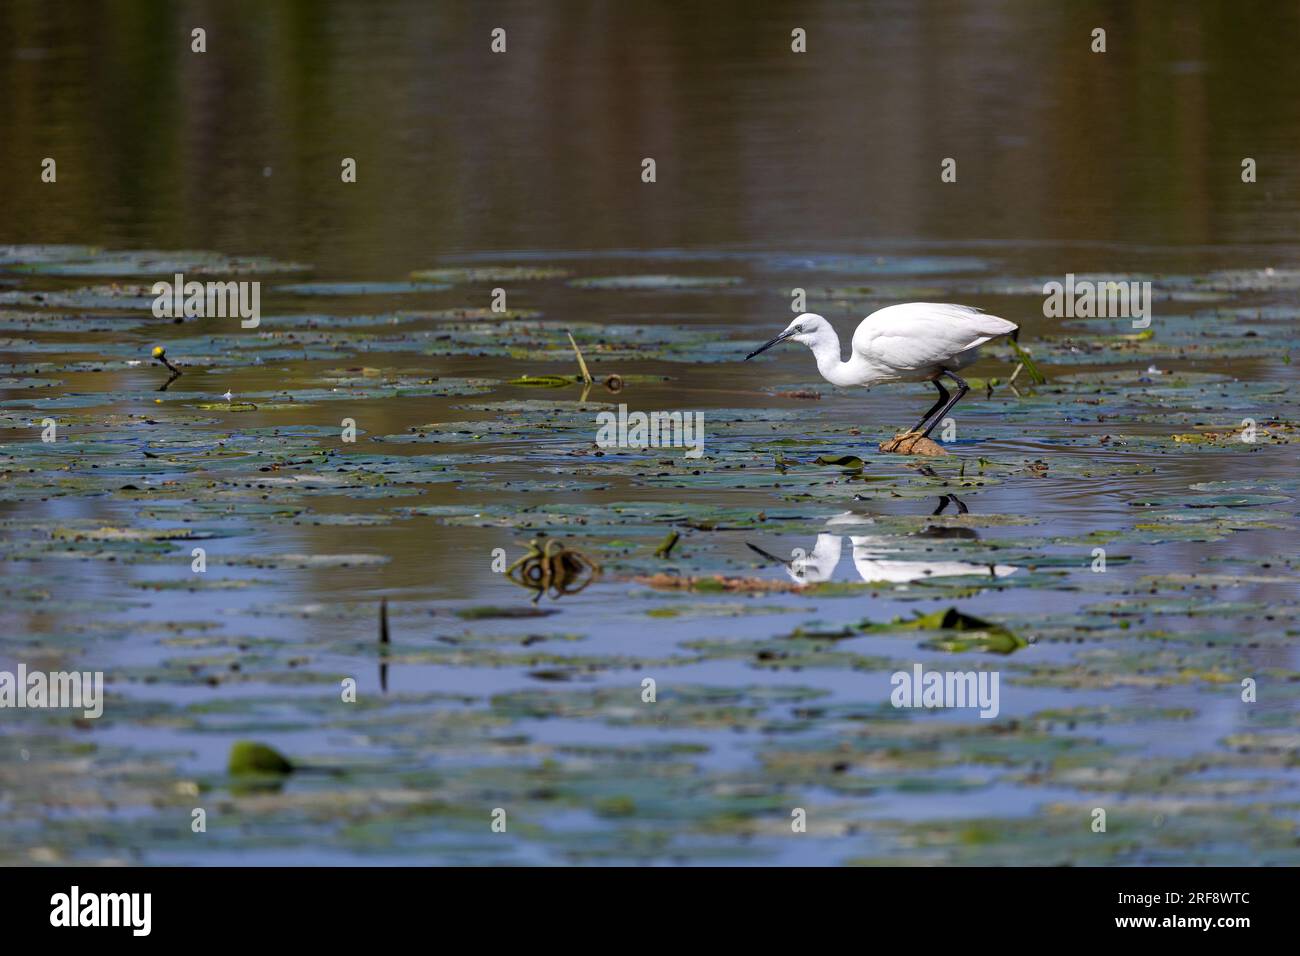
x: 962, y: 389
x: 943, y: 397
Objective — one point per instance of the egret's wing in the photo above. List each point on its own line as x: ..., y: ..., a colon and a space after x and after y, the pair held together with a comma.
x: 920, y: 335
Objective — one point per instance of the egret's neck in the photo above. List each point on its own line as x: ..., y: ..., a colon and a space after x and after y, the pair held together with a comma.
x: 826, y: 350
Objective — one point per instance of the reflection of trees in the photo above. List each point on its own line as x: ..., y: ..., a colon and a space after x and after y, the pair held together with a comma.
x: 461, y: 149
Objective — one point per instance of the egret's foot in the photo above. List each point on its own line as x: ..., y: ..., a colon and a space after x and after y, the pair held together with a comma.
x: 913, y: 443
x: 914, y: 433
x: 892, y: 444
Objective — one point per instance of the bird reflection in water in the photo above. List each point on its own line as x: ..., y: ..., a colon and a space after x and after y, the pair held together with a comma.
x: 872, y: 553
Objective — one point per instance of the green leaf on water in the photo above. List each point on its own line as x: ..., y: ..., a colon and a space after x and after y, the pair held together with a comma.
x: 852, y: 462
x: 542, y: 381
x: 250, y: 757
x: 978, y: 634
x: 486, y: 612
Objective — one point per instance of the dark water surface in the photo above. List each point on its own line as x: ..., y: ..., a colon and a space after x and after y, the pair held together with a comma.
x: 775, y: 171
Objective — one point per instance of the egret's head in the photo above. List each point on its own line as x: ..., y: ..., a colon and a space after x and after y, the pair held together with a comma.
x: 808, y: 328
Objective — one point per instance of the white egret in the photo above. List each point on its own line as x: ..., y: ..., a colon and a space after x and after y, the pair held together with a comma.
x: 915, y: 342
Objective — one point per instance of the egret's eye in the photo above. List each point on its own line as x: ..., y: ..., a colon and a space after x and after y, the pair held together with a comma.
x: 798, y: 329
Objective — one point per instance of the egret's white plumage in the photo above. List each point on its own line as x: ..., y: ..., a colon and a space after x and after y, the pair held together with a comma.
x: 915, y: 342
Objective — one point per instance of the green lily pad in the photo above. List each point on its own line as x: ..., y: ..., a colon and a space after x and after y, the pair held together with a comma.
x: 250, y: 757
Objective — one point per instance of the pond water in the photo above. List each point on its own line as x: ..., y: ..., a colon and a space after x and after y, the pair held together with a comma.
x: 1117, y: 543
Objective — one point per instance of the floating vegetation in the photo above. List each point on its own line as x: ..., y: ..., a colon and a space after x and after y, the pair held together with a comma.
x: 472, y: 313
x: 136, y: 298
x: 972, y: 633
x: 361, y: 288
x: 86, y: 261
x: 490, y: 274
x: 658, y: 283
x: 248, y: 757
x: 714, y: 584
x: 552, y: 568
x: 1115, y: 542
x: 227, y: 406
x: 851, y: 463
x: 541, y: 381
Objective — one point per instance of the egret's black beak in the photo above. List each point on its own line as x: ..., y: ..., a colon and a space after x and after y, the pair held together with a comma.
x: 763, y: 348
